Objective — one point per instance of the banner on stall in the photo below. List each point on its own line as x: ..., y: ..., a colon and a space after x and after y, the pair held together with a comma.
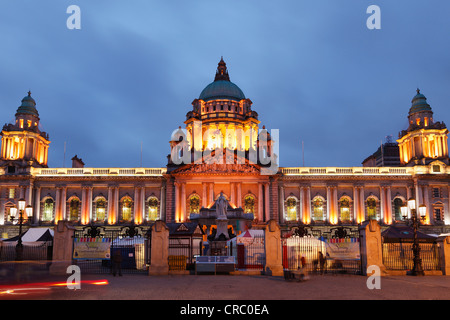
x: 347, y: 248
x: 92, y: 248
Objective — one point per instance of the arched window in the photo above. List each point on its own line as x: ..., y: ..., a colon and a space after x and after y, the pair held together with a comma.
x: 127, y: 209
x: 318, y: 209
x: 371, y: 209
x: 74, y: 209
x: 249, y: 204
x: 100, y: 209
x: 47, y: 210
x: 153, y: 205
x: 344, y: 210
x: 291, y: 209
x: 398, y: 204
x: 194, y: 204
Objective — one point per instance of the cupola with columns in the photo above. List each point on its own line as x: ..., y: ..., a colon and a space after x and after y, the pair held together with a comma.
x: 23, y: 143
x: 425, y: 140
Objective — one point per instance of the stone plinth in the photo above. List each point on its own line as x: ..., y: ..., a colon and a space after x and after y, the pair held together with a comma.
x: 160, y: 249
x: 274, y: 266
x: 62, y: 248
x: 444, y: 251
x: 371, y: 246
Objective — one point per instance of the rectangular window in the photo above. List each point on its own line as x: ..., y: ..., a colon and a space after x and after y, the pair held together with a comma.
x: 11, y: 193
x: 436, y: 193
x: 438, y: 214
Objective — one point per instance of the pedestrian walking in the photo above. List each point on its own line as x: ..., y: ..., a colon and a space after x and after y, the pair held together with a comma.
x: 322, y: 262
x: 117, y: 263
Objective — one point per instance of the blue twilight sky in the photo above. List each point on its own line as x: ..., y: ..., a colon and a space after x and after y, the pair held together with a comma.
x: 312, y: 69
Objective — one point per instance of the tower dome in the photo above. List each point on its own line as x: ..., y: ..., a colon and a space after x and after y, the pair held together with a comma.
x: 28, y: 106
x: 419, y: 103
x: 222, y: 87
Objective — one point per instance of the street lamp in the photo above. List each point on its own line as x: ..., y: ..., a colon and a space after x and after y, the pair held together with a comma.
x: 417, y: 269
x: 24, y: 213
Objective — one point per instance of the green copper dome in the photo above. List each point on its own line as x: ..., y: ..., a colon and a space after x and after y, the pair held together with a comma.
x: 222, y: 87
x: 419, y: 103
x: 28, y: 106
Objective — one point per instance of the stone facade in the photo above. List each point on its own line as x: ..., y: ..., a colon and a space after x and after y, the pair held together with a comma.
x: 223, y: 126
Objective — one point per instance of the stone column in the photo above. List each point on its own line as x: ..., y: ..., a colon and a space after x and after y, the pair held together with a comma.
x: 162, y: 204
x: 84, y: 208
x: 308, y: 204
x: 177, y: 202
x: 136, y: 208
x: 329, y: 202
x: 204, y: 197
x: 266, y: 202
x: 116, y: 204
x: 211, y: 193
x: 362, y: 211
x: 282, y: 216
x: 260, y: 202
x: 110, y: 205
x: 239, y: 195
x: 335, y: 211
x: 389, y: 205
x: 183, y: 202
x: 232, y: 194
x: 274, y: 266
x: 371, y: 246
x: 37, y: 206
x: 160, y: 249
x: 143, y: 213
x: 355, y: 205
x: 444, y: 252
x: 58, y: 205
x: 90, y: 192
x: 382, y: 203
x: 64, y: 203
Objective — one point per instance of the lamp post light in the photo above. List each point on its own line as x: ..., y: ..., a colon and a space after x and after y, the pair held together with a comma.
x: 417, y: 269
x: 24, y: 214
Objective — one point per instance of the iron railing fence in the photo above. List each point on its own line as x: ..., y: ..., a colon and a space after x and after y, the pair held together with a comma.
x: 400, y: 256
x: 95, y: 247
x: 251, y: 254
x: 182, y: 252
x: 33, y: 252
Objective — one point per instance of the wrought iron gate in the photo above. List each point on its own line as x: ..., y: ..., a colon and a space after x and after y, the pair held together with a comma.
x: 316, y: 246
x: 95, y: 248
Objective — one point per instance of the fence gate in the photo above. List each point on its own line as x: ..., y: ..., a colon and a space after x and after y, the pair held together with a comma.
x: 339, y: 246
x: 94, y: 247
x: 182, y: 252
x: 250, y: 252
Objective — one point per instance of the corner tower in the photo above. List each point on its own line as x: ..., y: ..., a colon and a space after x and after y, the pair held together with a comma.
x: 425, y: 140
x: 23, y: 143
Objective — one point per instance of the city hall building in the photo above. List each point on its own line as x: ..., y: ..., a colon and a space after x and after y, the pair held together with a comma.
x: 222, y: 149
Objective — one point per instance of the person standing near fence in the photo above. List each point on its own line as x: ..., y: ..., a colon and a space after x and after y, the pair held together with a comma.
x: 322, y: 262
x: 117, y: 263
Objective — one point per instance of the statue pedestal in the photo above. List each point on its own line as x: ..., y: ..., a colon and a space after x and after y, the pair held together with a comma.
x: 218, y: 248
x: 222, y: 228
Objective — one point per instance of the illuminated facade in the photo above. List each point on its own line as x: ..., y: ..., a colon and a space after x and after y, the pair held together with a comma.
x: 223, y: 149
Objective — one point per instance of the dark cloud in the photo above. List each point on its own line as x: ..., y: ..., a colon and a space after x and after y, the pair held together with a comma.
x: 312, y: 69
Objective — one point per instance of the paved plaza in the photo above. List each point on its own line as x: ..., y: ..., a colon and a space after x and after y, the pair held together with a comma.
x: 247, y: 287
